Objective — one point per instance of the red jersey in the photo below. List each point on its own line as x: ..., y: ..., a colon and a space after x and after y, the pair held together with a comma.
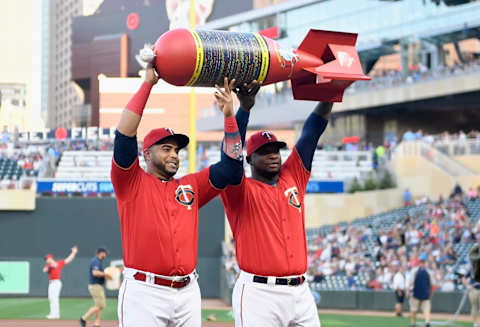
x: 56, y: 272
x: 159, y: 219
x: 268, y: 222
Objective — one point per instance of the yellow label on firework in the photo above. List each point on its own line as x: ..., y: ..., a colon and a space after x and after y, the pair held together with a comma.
x: 199, y: 61
x: 265, y: 57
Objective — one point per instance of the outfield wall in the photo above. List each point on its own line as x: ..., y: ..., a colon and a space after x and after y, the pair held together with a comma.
x: 385, y: 301
x: 377, y: 301
x: 59, y: 223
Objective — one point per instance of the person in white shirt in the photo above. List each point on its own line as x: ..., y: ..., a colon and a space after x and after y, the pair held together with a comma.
x: 387, y: 276
x: 413, y: 237
x: 350, y: 267
x: 448, y: 285
x: 327, y: 268
x: 326, y: 253
x: 399, y: 288
x: 383, y: 239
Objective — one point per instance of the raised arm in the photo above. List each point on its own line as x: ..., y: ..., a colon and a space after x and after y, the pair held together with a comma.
x: 232, y: 144
x: 246, y: 95
x: 72, y: 255
x: 312, y: 130
x: 229, y: 171
x: 125, y: 145
x: 132, y: 114
x: 242, y: 118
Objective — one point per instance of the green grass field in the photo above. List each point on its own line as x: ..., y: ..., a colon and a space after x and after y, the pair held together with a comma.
x: 73, y: 308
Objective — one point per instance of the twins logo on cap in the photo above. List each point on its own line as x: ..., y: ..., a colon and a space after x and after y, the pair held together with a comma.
x: 292, y: 195
x: 184, y: 195
x: 267, y: 135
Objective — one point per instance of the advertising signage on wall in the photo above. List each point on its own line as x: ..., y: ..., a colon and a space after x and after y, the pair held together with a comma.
x: 58, y: 186
x: 76, y: 133
x: 14, y: 277
x: 325, y: 187
x: 86, y: 187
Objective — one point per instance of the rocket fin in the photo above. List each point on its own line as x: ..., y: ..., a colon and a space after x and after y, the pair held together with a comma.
x: 341, y: 66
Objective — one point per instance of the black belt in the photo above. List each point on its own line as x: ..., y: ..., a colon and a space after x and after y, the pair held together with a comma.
x: 281, y: 281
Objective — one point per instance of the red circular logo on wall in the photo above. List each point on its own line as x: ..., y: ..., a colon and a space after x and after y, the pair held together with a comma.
x: 133, y: 20
x: 61, y: 133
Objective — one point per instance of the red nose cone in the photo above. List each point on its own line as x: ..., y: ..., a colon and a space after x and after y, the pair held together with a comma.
x: 176, y: 56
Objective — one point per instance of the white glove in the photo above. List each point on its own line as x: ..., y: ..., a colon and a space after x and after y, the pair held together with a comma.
x: 145, y: 56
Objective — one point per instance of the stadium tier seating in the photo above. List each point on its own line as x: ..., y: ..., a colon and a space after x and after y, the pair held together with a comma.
x: 94, y: 165
x: 9, y: 169
x: 385, y: 222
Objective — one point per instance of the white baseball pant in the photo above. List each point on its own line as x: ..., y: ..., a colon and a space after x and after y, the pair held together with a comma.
x: 54, y: 289
x: 270, y: 305
x: 149, y: 305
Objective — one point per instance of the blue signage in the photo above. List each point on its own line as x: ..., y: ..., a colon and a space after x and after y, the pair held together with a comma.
x: 86, y: 187
x: 325, y: 187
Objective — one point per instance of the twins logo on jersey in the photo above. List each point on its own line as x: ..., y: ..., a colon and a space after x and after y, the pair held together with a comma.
x: 293, y: 200
x: 184, y: 195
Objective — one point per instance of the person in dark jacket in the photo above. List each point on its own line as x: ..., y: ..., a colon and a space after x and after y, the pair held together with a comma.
x: 420, y: 289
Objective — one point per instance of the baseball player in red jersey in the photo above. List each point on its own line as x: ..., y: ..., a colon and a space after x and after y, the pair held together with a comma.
x: 267, y: 217
x: 159, y: 215
x: 54, y: 270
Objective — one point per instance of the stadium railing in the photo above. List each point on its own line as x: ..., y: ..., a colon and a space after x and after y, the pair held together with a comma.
x: 420, y: 148
x: 458, y: 147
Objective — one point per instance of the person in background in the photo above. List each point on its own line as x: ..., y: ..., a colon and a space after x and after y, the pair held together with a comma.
x: 54, y: 270
x: 473, y: 288
x: 351, y: 280
x: 96, y: 287
x: 407, y: 198
x: 472, y: 193
x: 457, y: 190
x: 419, y: 290
x: 399, y: 288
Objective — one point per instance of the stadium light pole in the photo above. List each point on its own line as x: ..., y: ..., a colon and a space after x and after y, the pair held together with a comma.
x: 192, y: 146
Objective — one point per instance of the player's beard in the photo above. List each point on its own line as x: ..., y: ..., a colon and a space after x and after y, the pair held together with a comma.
x: 162, y: 168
